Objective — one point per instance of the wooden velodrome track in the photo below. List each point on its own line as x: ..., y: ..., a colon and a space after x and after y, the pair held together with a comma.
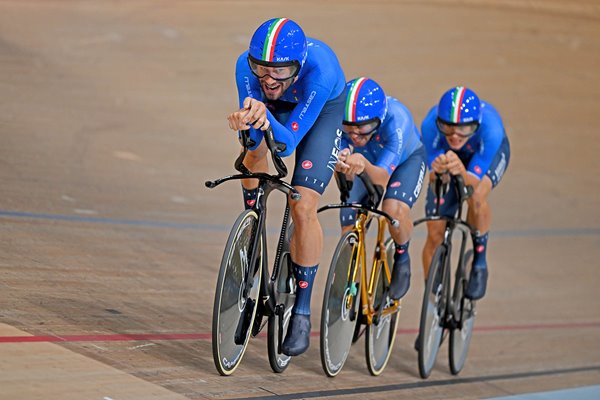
x: 112, y: 115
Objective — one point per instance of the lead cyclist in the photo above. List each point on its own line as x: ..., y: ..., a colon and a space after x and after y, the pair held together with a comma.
x: 295, y: 85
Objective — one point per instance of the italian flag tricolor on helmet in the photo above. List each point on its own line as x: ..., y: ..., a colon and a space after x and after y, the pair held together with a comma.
x: 278, y: 40
x: 459, y: 105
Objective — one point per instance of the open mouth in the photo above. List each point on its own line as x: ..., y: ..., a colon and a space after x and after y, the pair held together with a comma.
x: 270, y: 89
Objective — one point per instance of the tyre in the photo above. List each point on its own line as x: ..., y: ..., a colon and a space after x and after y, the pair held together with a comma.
x: 340, y: 306
x: 381, y: 335
x: 284, y: 291
x: 460, y: 337
x: 235, y: 302
x: 432, y: 314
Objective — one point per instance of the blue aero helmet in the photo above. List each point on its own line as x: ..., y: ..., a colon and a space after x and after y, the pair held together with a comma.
x: 459, y: 106
x: 280, y: 43
x: 365, y: 103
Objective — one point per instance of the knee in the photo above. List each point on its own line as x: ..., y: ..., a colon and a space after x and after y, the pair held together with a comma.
x: 303, y: 210
x: 435, y: 236
x: 478, y: 200
x: 256, y: 155
x: 399, y: 211
x: 396, y: 209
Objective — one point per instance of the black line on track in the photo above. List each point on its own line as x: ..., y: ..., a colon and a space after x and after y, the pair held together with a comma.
x: 422, y: 384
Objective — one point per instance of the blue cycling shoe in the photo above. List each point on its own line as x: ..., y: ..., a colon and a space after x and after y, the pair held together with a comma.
x: 477, y: 283
x: 297, y: 339
x: 400, y: 279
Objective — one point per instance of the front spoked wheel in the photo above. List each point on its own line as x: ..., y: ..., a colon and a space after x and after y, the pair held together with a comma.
x: 284, y: 290
x: 460, y: 337
x: 236, y: 294
x: 431, y: 326
x: 340, y: 306
x: 382, y: 332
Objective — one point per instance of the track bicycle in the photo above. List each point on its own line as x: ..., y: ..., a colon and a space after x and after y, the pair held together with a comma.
x: 355, y: 296
x: 246, y: 292
x: 445, y: 307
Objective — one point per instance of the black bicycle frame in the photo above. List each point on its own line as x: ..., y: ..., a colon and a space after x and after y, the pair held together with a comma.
x: 266, y: 184
x: 452, y: 223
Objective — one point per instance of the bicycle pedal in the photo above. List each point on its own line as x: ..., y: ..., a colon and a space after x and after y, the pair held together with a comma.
x: 241, y: 330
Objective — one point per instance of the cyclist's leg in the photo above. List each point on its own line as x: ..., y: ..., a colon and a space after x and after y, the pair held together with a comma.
x: 480, y: 217
x: 316, y: 157
x: 402, y: 191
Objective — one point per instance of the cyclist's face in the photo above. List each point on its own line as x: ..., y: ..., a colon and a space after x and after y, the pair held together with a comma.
x: 360, y: 135
x: 457, y: 135
x: 275, y: 89
x: 456, y: 141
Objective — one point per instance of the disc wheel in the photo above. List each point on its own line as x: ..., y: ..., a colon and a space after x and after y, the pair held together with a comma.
x: 235, y: 301
x: 432, y: 314
x: 340, y: 306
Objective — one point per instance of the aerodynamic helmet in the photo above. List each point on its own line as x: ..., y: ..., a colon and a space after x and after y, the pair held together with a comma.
x: 278, y: 42
x: 459, y: 106
x: 365, y: 102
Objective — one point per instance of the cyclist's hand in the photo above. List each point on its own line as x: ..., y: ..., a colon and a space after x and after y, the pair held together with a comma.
x: 440, y: 164
x: 355, y: 163
x: 253, y: 114
x: 454, y: 165
x: 341, y: 165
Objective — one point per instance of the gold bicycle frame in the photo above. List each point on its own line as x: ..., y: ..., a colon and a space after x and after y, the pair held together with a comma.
x: 367, y: 289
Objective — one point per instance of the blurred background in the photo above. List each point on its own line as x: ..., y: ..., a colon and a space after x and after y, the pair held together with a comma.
x: 113, y: 114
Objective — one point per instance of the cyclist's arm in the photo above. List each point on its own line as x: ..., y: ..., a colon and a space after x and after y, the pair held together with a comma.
x: 248, y: 86
x: 301, y: 119
x: 491, y: 139
x: 356, y: 163
x: 379, y: 175
x: 432, y: 140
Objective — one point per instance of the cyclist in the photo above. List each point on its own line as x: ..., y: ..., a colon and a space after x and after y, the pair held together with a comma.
x: 295, y: 85
x: 465, y: 136
x: 381, y: 138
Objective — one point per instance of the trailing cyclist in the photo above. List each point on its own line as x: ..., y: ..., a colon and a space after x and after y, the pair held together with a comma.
x: 295, y: 85
x: 381, y: 138
x: 465, y: 136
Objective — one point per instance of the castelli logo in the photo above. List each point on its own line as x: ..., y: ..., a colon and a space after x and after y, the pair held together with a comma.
x: 295, y: 126
x: 480, y: 248
x: 250, y: 202
x: 303, y: 284
x: 477, y: 169
x: 392, y: 167
x: 395, y: 184
x: 307, y: 164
